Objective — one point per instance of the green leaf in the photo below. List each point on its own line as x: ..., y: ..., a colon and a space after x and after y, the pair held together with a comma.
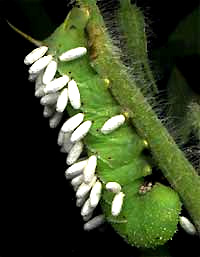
x: 183, y: 106
x: 185, y: 40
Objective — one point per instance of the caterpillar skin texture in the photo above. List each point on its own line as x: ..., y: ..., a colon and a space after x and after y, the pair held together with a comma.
x: 145, y: 220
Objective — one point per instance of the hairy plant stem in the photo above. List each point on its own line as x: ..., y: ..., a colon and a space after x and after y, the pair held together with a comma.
x: 131, y: 23
x: 171, y: 160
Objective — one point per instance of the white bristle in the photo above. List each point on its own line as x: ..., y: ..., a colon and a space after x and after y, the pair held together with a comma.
x: 74, y: 153
x: 49, y: 99
x: 56, y: 84
x: 95, y: 194
x: 87, y: 208
x: 74, y: 95
x: 117, y: 204
x: 40, y: 64
x: 187, y: 225
x: 55, y: 120
x: 94, y: 223
x: 81, y: 131
x: 89, y: 169
x: 35, y: 55
x: 84, y: 189
x: 48, y: 111
x: 112, y: 124
x: 72, y: 123
x: 73, y: 54
x: 113, y: 187
x: 75, y: 170
x: 49, y: 72
x: 62, y: 100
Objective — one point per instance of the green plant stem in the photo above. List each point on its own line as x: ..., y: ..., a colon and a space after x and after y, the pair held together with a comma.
x: 175, y: 167
x: 131, y: 22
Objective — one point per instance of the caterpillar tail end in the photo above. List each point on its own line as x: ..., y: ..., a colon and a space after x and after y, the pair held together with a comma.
x: 158, y: 211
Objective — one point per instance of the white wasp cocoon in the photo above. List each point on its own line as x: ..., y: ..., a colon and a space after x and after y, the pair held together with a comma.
x: 187, y: 225
x: 73, y: 54
x: 87, y: 217
x: 48, y: 111
x: 60, y: 139
x: 90, y: 168
x: 50, y: 72
x: 74, y: 153
x: 75, y: 170
x: 55, y: 120
x: 72, y: 123
x: 33, y: 77
x: 117, y: 204
x: 56, y: 84
x: 77, y: 181
x: 112, y: 124
x: 67, y: 144
x: 95, y: 194
x: 35, y: 55
x: 62, y: 149
x: 81, y: 131
x: 38, y: 82
x: 40, y: 64
x: 74, y: 95
x: 113, y: 187
x: 87, y: 208
x: 62, y: 100
x: 49, y: 99
x: 84, y: 189
x: 94, y: 223
x: 40, y: 92
x: 81, y: 200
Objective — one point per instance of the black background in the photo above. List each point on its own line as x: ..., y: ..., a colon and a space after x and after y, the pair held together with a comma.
x: 38, y: 216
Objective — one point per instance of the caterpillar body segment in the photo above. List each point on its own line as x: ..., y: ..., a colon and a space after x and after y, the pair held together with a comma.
x: 150, y: 218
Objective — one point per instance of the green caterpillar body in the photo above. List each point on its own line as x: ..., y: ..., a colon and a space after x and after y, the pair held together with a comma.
x: 146, y: 220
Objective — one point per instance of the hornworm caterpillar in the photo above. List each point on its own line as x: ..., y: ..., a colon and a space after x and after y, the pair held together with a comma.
x: 145, y: 216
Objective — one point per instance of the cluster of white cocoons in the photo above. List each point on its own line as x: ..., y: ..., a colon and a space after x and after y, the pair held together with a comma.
x: 88, y: 190
x: 55, y: 93
x: 118, y: 199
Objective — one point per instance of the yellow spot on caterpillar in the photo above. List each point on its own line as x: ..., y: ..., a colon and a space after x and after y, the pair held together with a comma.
x: 147, y: 169
x: 126, y: 114
x: 87, y: 13
x: 107, y: 81
x: 146, y: 143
